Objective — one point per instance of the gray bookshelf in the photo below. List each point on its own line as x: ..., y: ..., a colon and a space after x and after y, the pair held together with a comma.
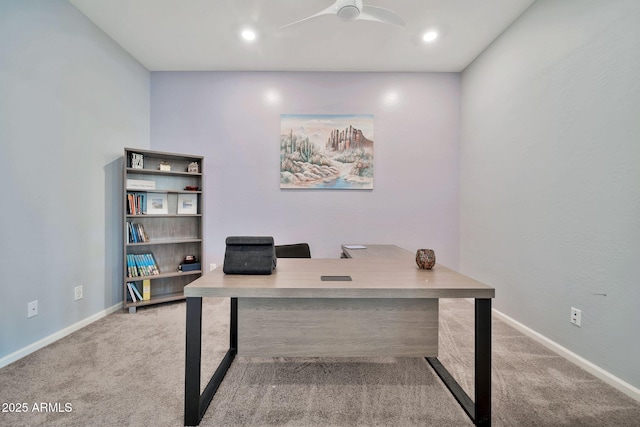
x: 166, y: 200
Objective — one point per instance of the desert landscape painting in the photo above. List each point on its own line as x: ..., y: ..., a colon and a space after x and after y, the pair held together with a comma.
x: 326, y: 151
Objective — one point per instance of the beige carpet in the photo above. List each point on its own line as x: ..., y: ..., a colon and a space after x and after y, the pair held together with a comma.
x: 127, y: 370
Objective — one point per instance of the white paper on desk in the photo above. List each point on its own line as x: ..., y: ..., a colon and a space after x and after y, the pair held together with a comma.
x: 355, y: 247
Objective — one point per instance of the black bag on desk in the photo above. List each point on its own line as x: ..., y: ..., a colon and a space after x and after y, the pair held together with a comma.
x: 249, y: 255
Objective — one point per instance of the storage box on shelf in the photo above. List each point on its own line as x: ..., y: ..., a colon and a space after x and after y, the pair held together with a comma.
x: 163, y: 214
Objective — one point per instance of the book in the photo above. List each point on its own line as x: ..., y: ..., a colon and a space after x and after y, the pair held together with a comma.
x: 152, y: 264
x: 131, y: 237
x: 136, y: 233
x: 140, y: 268
x: 143, y: 203
x: 130, y: 205
x: 141, y: 265
x: 189, y: 267
x: 131, y: 267
x: 136, y: 203
x: 136, y: 291
x: 146, y: 289
x: 143, y: 233
x: 133, y: 296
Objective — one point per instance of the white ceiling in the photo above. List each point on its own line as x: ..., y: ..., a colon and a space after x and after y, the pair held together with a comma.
x: 199, y: 35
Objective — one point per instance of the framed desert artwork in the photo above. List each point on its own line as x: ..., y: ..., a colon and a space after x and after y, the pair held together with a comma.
x: 326, y: 151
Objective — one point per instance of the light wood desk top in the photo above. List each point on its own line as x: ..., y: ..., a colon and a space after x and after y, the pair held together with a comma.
x: 395, y: 276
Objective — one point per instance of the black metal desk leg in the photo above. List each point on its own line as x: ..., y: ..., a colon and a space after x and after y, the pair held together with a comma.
x: 233, y: 336
x: 196, y: 404
x: 192, y: 362
x: 480, y: 410
x: 483, y: 362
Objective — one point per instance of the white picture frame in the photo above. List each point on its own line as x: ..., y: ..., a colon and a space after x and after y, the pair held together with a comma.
x: 187, y: 204
x: 157, y: 204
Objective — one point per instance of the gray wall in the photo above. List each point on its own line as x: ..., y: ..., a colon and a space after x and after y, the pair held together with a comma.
x: 233, y: 119
x: 70, y: 100
x: 550, y: 175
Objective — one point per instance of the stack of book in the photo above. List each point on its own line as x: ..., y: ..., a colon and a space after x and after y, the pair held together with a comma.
x: 135, y: 293
x: 141, y: 265
x: 136, y: 203
x: 136, y: 233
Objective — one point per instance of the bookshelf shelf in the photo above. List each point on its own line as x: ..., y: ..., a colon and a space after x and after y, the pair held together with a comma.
x: 159, y: 300
x: 167, y: 275
x: 162, y: 216
x: 163, y: 224
x: 137, y: 190
x: 159, y: 172
x: 165, y: 242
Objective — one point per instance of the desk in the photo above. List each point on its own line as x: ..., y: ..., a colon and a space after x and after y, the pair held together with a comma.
x: 388, y: 308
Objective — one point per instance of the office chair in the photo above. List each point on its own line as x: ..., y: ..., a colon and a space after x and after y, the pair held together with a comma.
x: 297, y: 250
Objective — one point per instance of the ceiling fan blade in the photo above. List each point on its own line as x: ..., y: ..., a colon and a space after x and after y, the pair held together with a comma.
x: 328, y: 11
x: 380, y: 14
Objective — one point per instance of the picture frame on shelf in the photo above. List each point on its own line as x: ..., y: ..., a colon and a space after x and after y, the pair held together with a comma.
x: 187, y: 204
x: 157, y: 204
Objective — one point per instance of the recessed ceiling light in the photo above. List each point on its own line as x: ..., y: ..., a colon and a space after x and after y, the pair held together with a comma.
x: 248, y: 35
x: 429, y: 36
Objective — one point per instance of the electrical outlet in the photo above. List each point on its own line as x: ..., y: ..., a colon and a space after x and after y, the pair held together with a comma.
x: 78, y: 292
x: 576, y: 316
x: 32, y: 309
x: 212, y: 267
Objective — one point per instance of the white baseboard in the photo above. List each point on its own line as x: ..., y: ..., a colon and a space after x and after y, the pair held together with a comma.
x: 595, y: 370
x: 16, y: 355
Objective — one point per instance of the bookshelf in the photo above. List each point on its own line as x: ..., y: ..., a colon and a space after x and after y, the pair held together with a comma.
x: 163, y: 225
